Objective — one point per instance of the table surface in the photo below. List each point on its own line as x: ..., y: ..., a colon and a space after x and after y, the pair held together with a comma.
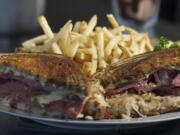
x: 10, y: 125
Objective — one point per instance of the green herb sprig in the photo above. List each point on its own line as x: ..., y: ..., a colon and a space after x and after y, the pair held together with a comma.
x: 175, y: 45
x: 162, y: 44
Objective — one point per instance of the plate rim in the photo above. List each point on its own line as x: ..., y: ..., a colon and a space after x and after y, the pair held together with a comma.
x: 146, y: 120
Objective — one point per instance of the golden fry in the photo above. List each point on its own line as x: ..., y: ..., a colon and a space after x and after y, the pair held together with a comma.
x: 44, y: 25
x: 56, y: 49
x: 92, y: 23
x: 35, y: 40
x: 77, y: 27
x: 110, y: 45
x: 108, y: 33
x: 112, y: 20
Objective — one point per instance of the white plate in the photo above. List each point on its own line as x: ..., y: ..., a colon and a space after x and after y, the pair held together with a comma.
x: 99, y: 125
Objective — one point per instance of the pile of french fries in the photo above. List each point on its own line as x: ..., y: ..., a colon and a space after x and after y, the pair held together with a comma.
x: 91, y: 46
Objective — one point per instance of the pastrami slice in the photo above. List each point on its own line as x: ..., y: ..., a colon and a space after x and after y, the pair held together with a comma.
x: 26, y: 91
x: 176, y: 81
x: 71, y: 105
x: 163, y: 81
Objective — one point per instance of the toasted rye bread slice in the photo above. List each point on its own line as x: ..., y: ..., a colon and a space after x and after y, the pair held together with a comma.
x: 61, y: 71
x: 58, y: 68
x: 138, y: 67
x: 55, y: 70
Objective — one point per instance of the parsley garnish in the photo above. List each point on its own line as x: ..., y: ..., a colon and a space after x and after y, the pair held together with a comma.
x: 175, y: 45
x: 162, y: 44
x: 159, y: 47
x: 163, y: 41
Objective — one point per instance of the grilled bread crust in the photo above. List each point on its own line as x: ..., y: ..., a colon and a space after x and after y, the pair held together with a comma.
x: 58, y: 69
x: 62, y: 71
x: 138, y: 67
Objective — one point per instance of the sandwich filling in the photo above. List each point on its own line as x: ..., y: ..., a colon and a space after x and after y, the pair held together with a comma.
x: 157, y: 94
x: 27, y: 94
x: 162, y: 82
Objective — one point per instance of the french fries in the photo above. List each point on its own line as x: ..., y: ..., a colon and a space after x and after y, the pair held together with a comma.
x: 112, y: 20
x: 47, y: 30
x: 100, y: 50
x: 92, y: 47
x: 92, y: 23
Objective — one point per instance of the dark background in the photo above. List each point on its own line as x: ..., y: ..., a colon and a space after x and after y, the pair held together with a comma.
x: 84, y: 9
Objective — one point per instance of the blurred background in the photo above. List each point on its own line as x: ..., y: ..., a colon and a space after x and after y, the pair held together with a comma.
x: 18, y: 18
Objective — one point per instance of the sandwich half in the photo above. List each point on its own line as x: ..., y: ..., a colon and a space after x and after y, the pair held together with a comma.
x: 144, y: 85
x: 47, y: 84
